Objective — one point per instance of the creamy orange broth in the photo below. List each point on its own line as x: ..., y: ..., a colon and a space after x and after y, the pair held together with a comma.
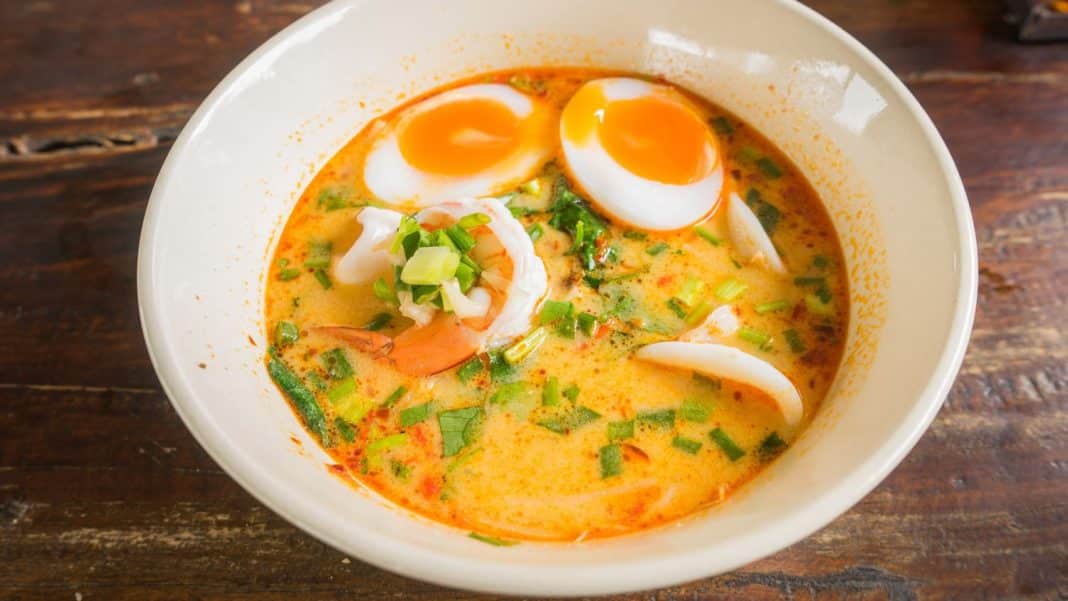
x: 520, y: 480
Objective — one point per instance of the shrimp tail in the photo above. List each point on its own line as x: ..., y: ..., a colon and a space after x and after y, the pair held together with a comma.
x: 372, y: 343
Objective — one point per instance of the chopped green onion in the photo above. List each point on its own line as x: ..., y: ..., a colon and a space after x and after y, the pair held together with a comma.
x: 676, y: 307
x: 699, y: 313
x: 400, y: 470
x: 318, y: 254
x: 316, y: 381
x: 286, y: 333
x: 324, y: 280
x: 469, y: 370
x: 525, y: 83
x: 519, y: 351
x: 657, y: 248
x: 748, y: 153
x: 337, y: 366
x: 694, y: 411
x: 817, y: 306
x: 686, y: 445
x: 473, y: 220
x: 771, y: 307
x: 499, y: 367
x: 554, y: 310
x: 430, y: 266
x: 341, y: 390
x: 348, y: 402
x: 458, y: 428
x: 771, y: 446
x: 578, y: 417
x: 572, y: 392
x: 535, y: 232
x: 724, y: 442
x: 344, y: 429
x: 566, y: 327
x: 286, y: 273
x: 794, y: 340
x: 422, y: 294
x: 730, y: 289
x: 755, y: 336
x: 810, y: 281
x: 303, y: 399
x: 387, y: 443
x: 378, y: 322
x: 414, y: 415
x: 492, y: 540
x: 519, y: 212
x: 333, y: 198
x: 663, y: 418
x: 587, y: 322
x: 707, y: 235
x: 820, y: 262
x: 611, y: 460
x: 531, y: 187
x: 550, y: 393
x: 621, y: 430
x: 384, y: 292
x: 395, y: 396
x: 408, y: 226
x: 465, y: 277
x: 769, y: 168
x: 633, y: 235
x: 464, y: 242
x: 722, y: 126
x: 711, y: 383
x: 692, y: 292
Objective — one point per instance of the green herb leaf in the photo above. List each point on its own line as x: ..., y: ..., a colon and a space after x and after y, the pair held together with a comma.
x: 611, y: 460
x: 395, y: 396
x: 334, y: 197
x: 553, y: 310
x: 707, y: 235
x: 507, y: 393
x: 378, y: 322
x: 794, y: 340
x: 578, y: 417
x: 469, y: 370
x: 324, y: 280
x: 572, y: 392
x: 414, y: 415
x: 319, y: 253
x: 344, y: 430
x: 769, y: 168
x: 499, y: 367
x: 459, y: 427
x: 772, y: 307
x: 686, y: 445
x: 571, y: 214
x: 535, y: 232
x: 587, y: 322
x: 550, y: 393
x: 657, y: 248
x: 400, y: 470
x: 725, y: 444
x: 730, y: 289
x: 633, y: 235
x: 677, y: 308
x: 384, y: 292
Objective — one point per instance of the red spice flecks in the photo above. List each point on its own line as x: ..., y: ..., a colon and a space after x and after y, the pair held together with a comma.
x: 418, y: 433
x: 338, y: 470
x: 295, y: 440
x: 664, y: 280
x: 430, y: 488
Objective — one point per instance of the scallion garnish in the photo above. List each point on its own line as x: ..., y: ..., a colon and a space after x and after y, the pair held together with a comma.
x: 473, y: 220
x: 492, y: 540
x: 611, y: 457
x: 469, y: 370
x: 820, y: 262
x: 286, y: 273
x: 818, y: 306
x: 384, y: 292
x: 336, y: 364
x: 550, y: 393
x: 692, y: 292
x: 554, y: 310
x: 686, y: 445
x: 633, y: 235
x: 621, y: 430
x: 578, y: 417
x: 519, y: 351
x: 324, y: 280
x: 386, y: 443
x: 694, y: 411
x: 725, y: 444
x: 755, y: 336
x: 794, y: 340
x: 769, y: 168
x: 707, y: 235
x: 508, y: 392
x: 676, y: 308
x: 572, y: 392
x: 344, y: 429
x: 771, y: 307
x: 587, y: 322
x: 722, y: 126
x: 535, y: 232
x: 286, y: 333
x: 318, y: 254
x: 302, y: 398
x: 430, y: 266
x: 771, y: 446
x: 662, y: 418
x: 334, y: 198
x: 657, y: 248
x: 699, y: 313
x: 499, y: 367
x: 348, y: 402
x: 378, y: 322
x: 395, y: 396
x: 730, y: 289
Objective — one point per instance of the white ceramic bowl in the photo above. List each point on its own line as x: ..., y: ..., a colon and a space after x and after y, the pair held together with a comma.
x: 241, y: 162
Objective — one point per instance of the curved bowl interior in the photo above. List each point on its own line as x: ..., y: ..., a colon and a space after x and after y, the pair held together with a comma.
x: 884, y: 173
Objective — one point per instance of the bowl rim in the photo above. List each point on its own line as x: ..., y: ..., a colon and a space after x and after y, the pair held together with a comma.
x: 614, y: 577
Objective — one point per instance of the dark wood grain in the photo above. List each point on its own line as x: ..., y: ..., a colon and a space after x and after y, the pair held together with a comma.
x: 105, y: 495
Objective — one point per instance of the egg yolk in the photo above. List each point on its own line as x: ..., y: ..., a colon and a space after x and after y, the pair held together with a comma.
x: 656, y: 139
x: 462, y: 137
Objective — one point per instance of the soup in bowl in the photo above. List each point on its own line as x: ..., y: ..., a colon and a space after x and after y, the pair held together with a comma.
x: 558, y: 307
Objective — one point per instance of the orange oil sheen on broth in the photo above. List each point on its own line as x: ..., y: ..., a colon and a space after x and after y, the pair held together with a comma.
x: 517, y: 479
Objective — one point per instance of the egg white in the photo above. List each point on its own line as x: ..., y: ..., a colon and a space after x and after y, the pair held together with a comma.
x: 640, y: 202
x: 392, y: 179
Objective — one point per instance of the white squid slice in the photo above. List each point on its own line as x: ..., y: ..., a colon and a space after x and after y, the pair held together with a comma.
x: 720, y: 323
x: 529, y: 281
x: 420, y: 314
x: 370, y: 255
x: 473, y: 304
x: 749, y: 237
x: 727, y: 362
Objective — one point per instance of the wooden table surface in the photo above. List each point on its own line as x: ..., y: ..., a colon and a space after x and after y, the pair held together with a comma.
x: 105, y: 495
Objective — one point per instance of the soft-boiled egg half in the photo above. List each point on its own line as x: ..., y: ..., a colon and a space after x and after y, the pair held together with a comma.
x: 642, y: 153
x: 472, y: 141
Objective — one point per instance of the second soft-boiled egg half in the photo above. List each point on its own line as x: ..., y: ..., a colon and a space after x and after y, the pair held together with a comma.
x: 471, y: 141
x: 642, y: 153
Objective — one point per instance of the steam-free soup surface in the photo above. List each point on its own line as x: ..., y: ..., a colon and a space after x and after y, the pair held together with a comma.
x: 558, y: 432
